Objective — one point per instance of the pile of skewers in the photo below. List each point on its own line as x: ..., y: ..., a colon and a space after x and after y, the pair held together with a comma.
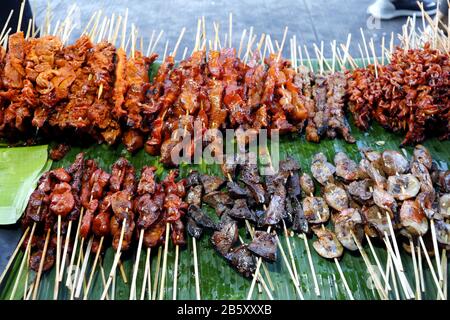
x: 410, y: 94
x: 85, y: 204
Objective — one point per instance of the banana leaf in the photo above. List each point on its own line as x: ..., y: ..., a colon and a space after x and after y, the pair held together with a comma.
x: 217, y: 279
x: 20, y: 168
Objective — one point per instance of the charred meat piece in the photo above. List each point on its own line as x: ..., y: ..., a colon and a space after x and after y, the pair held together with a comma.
x: 133, y: 140
x: 118, y: 171
x: 307, y: 184
x: 201, y: 218
x: 193, y: 229
x: 121, y: 204
x: 218, y: 200
x: 98, y: 182
x: 404, y: 186
x: 127, y: 235
x: 336, y: 197
x: 257, y: 191
x: 154, y: 236
x: 394, y: 162
x: 293, y: 184
x: 264, y: 245
x: 294, y: 208
x: 59, y: 151
x: 423, y: 156
x: 346, y: 168
x: 442, y: 232
x: 229, y: 168
x: 211, y: 183
x: 35, y: 260
x: 224, y: 239
x: 348, y: 224
x: 101, y: 224
x: 276, y: 210
x: 193, y: 179
x: 361, y: 190
x: 444, y: 205
x: 178, y: 237
x: 422, y: 174
x: 149, y: 209
x: 412, y: 219
x: 385, y: 201
x: 194, y: 195
x: 242, y: 260
x: 174, y: 207
x: 62, y: 200
x: 86, y: 223
x: 76, y: 171
x: 36, y: 201
x: 327, y: 244
x: 374, y: 219
x: 370, y: 170
x: 60, y: 175
x: 321, y: 169
x: 236, y: 191
x: 240, y: 211
x: 316, y: 210
x: 147, y: 182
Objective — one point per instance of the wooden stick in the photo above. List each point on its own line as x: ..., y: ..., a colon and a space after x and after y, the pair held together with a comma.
x: 91, y: 276
x: 164, y: 266
x: 394, y: 280
x: 19, y: 22
x: 230, y: 30
x: 6, y: 24
x: 116, y: 259
x: 422, y: 278
x: 311, y: 266
x: 256, y: 275
x: 58, y: 258
x: 77, y: 270
x: 241, y: 42
x: 41, y: 265
x: 23, y: 262
x: 175, y: 273
x: 291, y: 255
x: 147, y: 276
x: 416, y: 271
x: 177, y: 44
x: 66, y: 247
x: 83, y: 268
x: 377, y: 261
x: 13, y: 256
x: 74, y: 250
x: 158, y: 264
x: 136, y: 266
x: 436, y: 250
x: 349, y: 292
x: 286, y: 262
x: 430, y: 264
x: 196, y: 273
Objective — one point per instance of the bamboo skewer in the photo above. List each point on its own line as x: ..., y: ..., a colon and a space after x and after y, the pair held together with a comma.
x: 196, y: 273
x: 416, y: 270
x: 158, y: 263
x: 74, y: 250
x: 377, y: 261
x: 24, y: 260
x: 83, y: 268
x: 136, y: 266
x: 116, y: 260
x: 164, y: 265
x: 41, y: 266
x: 91, y: 276
x: 66, y: 247
x: 175, y: 273
x: 58, y: 257
x: 13, y: 256
x: 147, y: 277
x: 430, y: 264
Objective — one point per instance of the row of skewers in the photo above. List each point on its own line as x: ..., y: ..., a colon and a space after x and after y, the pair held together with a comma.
x: 384, y: 199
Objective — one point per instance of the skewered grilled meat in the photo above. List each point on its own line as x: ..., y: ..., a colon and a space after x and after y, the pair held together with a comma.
x: 193, y: 229
x: 154, y: 236
x: 336, y: 197
x: 200, y: 218
x: 394, y: 162
x: 374, y: 219
x: 346, y: 168
x: 327, y: 244
x: 294, y: 208
x: 316, y: 210
x: 59, y: 151
x: 321, y: 169
x: 348, y: 224
x: 218, y: 200
x: 86, y: 223
x: 62, y: 200
x: 211, y: 183
x: 149, y: 208
x: 423, y: 156
x: 241, y: 211
x: 307, y: 184
x: 403, y: 186
x: 361, y: 190
x: 177, y: 236
x: 264, y: 245
x: 224, y: 239
x: 242, y: 260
